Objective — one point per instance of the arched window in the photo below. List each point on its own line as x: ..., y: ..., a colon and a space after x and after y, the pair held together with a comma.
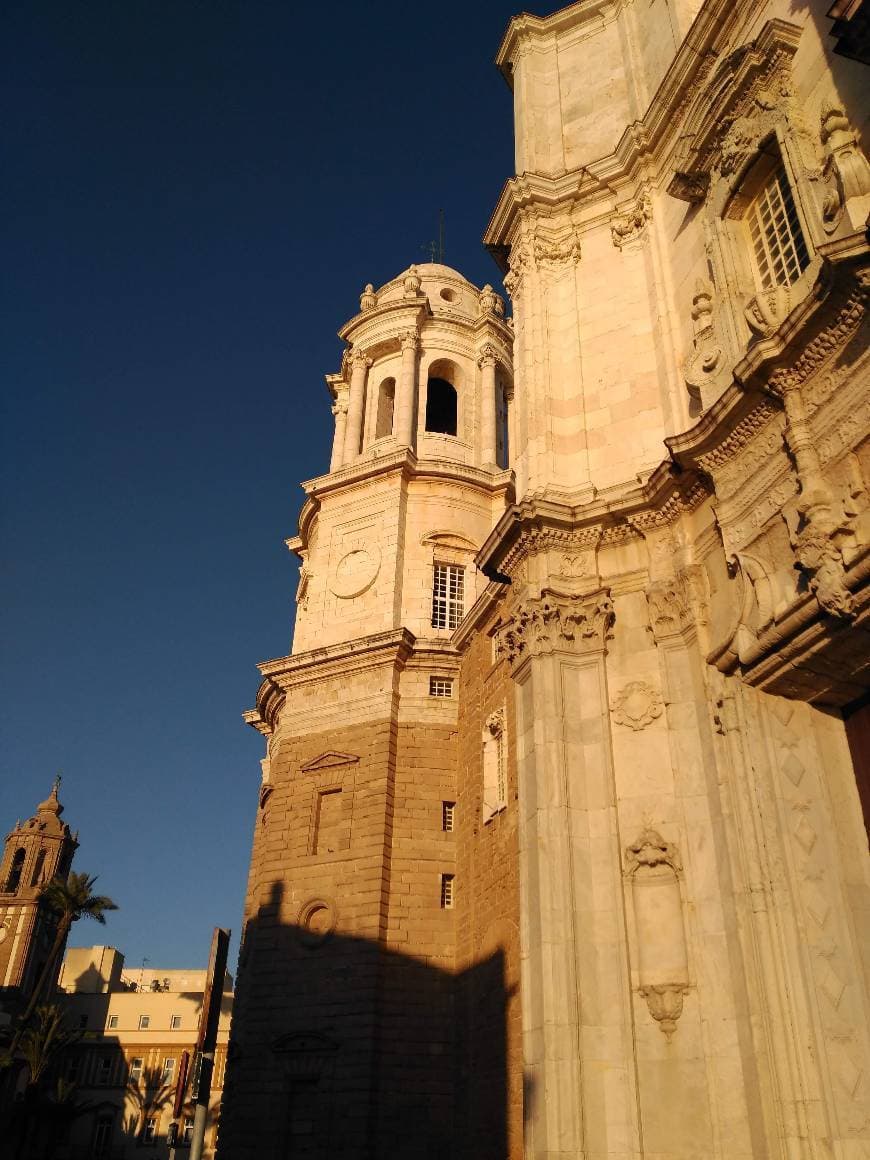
x: 14, y: 879
x: 441, y: 408
x: 502, y: 426
x: 38, y: 868
x: 386, y: 407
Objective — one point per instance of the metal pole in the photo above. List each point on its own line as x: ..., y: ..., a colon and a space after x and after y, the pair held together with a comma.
x: 207, y: 1037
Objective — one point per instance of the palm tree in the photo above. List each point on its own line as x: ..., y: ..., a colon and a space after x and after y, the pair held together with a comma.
x: 69, y: 899
x: 44, y: 1037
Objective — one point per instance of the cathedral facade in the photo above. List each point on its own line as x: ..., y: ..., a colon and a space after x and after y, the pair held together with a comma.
x: 559, y: 849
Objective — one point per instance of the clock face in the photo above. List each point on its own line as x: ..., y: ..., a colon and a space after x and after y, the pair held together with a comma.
x: 356, y: 571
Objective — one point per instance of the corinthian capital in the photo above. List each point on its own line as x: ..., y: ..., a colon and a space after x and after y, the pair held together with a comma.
x: 359, y: 358
x: 553, y: 622
x: 409, y: 340
x: 488, y: 357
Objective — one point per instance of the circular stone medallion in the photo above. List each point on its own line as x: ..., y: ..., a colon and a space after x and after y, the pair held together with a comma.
x: 356, y: 572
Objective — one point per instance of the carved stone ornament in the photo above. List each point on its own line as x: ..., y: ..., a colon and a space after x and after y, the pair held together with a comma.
x: 766, y: 310
x: 846, y: 171
x: 555, y: 622
x: 637, y: 705
x: 540, y: 249
x: 651, y: 849
x: 665, y: 1003
x: 703, y: 365
x: 357, y: 357
x: 409, y: 340
x: 669, y: 604
x: 735, y: 109
x: 629, y: 226
x: 368, y: 300
x: 488, y: 302
x: 495, y: 723
x: 411, y: 282
x: 818, y: 549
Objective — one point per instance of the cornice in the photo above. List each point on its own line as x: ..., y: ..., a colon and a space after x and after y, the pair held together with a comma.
x: 285, y: 673
x: 401, y: 313
x: 662, y: 496
x: 478, y: 614
x: 529, y: 28
x: 406, y: 462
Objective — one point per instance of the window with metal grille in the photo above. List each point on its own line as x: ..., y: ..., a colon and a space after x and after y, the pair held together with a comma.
x: 777, y: 238
x: 448, y: 815
x: 448, y: 595
x: 440, y: 687
x: 447, y: 892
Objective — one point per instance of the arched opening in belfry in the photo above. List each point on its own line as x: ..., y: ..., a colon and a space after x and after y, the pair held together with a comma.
x: 502, y: 425
x: 14, y: 879
x: 441, y: 406
x: 386, y: 408
x: 36, y: 876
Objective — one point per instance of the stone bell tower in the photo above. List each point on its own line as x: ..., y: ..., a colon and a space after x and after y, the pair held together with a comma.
x: 344, y: 1023
x: 36, y: 851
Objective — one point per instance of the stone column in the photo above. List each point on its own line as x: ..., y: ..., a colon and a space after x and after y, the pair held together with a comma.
x: 360, y: 364
x: 406, y: 403
x: 577, y: 1051
x: 339, y: 410
x: 487, y: 364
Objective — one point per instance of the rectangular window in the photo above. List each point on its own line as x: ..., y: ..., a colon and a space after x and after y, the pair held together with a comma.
x: 447, y: 892
x: 112, y: 1023
x: 448, y: 816
x: 104, y: 1069
x: 187, y: 1133
x: 102, y: 1137
x: 777, y: 238
x: 135, y: 1070
x: 440, y: 687
x: 168, y: 1071
x: 149, y: 1132
x: 175, y: 1023
x: 448, y: 595
x: 144, y: 1022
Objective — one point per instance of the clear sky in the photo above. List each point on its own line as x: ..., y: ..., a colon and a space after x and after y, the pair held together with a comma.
x: 196, y: 192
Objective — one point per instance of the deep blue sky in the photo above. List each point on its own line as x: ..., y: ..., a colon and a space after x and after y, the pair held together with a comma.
x: 196, y: 193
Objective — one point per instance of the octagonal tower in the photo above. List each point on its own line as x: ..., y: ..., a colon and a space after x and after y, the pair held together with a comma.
x: 419, y: 471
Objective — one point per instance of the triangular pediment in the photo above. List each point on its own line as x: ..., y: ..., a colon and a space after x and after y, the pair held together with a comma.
x: 328, y: 760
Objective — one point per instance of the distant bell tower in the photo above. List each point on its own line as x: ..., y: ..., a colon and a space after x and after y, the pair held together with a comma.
x: 36, y: 851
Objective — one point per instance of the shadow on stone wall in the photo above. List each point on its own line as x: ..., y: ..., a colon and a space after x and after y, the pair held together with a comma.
x: 342, y: 1049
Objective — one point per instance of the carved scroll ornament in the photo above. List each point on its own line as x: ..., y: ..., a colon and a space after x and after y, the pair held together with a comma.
x: 555, y: 622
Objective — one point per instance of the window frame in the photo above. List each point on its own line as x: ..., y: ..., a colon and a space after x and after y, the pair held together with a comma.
x: 448, y: 600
